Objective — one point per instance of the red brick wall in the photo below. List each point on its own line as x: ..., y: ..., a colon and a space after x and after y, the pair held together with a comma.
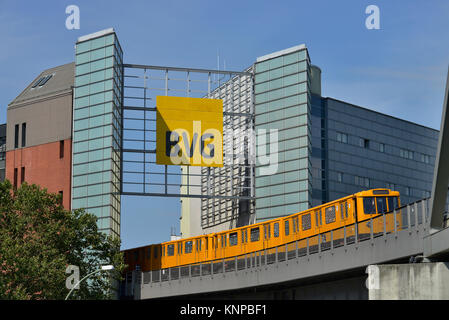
x: 44, y: 167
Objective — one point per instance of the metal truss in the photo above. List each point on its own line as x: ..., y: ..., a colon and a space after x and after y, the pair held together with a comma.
x: 142, y: 176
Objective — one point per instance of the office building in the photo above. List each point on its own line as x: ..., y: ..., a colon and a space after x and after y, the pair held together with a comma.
x: 39, y: 131
x: 326, y: 148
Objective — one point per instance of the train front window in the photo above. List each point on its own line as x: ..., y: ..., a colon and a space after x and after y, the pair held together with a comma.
x: 393, y: 203
x: 381, y: 204
x: 369, y: 205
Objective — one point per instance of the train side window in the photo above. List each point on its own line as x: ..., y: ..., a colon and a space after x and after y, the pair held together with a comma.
x: 297, y: 225
x: 254, y: 234
x: 329, y: 214
x: 149, y: 253
x: 318, y: 219
x: 342, y: 210
x: 347, y: 209
x: 171, y: 250
x: 223, y: 240
x: 180, y: 248
x: 188, y: 246
x: 287, y: 227
x: 267, y: 231
x: 155, y: 252
x: 294, y: 224
x: 246, y: 235
x: 233, y: 239
x: 276, y: 229
x: 136, y: 256
x: 369, y: 206
x: 306, y: 221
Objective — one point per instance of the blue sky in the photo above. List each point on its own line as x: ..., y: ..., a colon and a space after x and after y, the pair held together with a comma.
x: 399, y: 70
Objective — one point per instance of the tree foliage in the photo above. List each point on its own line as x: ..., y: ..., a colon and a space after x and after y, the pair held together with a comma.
x: 39, y: 239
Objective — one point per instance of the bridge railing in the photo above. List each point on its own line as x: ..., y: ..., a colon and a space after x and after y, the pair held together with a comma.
x: 407, y: 217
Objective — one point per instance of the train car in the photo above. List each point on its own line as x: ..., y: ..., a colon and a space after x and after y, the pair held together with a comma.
x: 339, y: 216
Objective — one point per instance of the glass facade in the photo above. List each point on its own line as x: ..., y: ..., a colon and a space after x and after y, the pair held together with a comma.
x: 97, y: 123
x: 282, y: 102
x: 356, y: 149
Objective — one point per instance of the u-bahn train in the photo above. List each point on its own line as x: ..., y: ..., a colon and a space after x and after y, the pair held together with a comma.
x: 334, y: 215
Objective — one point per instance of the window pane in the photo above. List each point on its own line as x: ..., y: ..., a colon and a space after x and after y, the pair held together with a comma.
x: 255, y: 234
x: 369, y: 205
x: 381, y: 204
x: 306, y: 222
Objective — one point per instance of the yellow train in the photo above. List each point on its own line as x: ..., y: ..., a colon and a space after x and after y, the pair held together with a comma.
x: 347, y: 211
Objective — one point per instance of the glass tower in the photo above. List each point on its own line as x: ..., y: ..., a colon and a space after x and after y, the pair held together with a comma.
x: 97, y: 128
x: 282, y: 102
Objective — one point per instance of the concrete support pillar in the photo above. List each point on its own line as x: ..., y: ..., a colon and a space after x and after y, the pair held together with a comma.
x: 418, y: 281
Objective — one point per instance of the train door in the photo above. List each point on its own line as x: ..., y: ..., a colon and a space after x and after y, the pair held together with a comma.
x: 266, y: 235
x: 318, y: 221
x: 344, y: 212
x: 216, y: 247
x: 178, y: 252
x: 196, y: 250
x: 206, y: 248
x: 243, y: 240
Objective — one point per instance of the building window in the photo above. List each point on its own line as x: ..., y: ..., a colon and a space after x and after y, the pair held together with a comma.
x: 16, y: 136
x: 339, y: 177
x: 61, y: 149
x: 382, y: 147
x: 22, y: 175
x: 425, y: 158
x: 366, y: 143
x: 363, y: 143
x: 15, y: 178
x: 407, y: 191
x: 391, y: 186
x: 24, y: 134
x: 407, y: 154
x: 362, y: 181
x: 342, y: 137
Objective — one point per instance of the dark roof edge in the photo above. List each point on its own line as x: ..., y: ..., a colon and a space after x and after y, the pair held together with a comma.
x: 24, y: 102
x: 384, y: 114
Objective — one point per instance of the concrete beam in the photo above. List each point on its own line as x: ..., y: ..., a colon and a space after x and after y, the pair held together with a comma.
x: 441, y: 171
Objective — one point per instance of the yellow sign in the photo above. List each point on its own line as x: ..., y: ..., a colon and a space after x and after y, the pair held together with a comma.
x: 189, y: 131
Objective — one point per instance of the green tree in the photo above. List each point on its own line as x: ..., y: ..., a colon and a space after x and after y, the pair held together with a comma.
x: 39, y: 239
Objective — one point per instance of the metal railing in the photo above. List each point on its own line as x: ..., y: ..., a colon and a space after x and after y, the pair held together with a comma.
x: 407, y: 217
